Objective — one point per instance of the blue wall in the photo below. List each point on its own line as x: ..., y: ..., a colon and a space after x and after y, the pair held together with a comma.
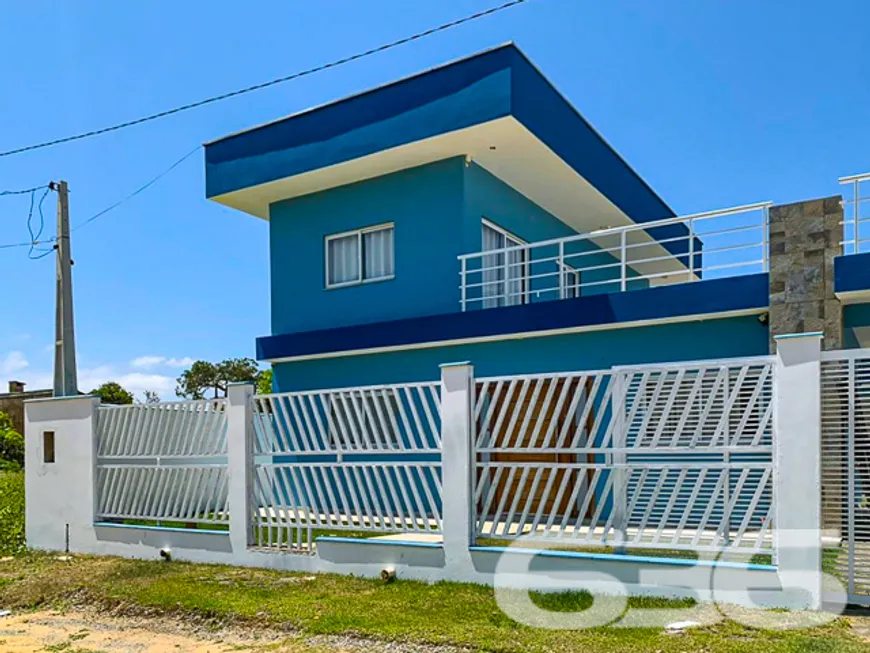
x: 437, y: 210
x: 738, y: 336
x: 425, y: 204
x: 854, y: 315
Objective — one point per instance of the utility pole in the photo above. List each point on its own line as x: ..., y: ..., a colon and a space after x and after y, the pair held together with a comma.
x: 65, y: 377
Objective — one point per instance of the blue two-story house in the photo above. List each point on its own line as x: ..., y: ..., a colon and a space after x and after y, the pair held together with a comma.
x: 471, y: 213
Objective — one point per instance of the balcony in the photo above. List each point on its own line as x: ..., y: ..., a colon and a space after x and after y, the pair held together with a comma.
x: 685, y: 249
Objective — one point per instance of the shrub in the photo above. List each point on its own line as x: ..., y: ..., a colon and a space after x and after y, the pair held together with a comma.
x: 11, y: 450
x: 11, y: 512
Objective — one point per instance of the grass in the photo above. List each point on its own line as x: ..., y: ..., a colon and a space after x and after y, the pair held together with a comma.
x: 462, y: 615
x: 444, y: 613
x: 11, y: 512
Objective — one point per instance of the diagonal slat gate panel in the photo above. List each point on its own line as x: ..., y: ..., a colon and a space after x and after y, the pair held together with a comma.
x: 671, y: 457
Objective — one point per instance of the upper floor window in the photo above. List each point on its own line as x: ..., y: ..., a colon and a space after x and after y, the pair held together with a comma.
x: 360, y: 256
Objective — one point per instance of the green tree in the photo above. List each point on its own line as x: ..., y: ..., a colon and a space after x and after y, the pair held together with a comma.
x: 112, y: 393
x: 11, y: 444
x: 204, y: 378
x: 264, y: 382
x: 150, y: 397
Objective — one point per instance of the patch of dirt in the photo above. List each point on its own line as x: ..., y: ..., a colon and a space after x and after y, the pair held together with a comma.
x: 98, y: 632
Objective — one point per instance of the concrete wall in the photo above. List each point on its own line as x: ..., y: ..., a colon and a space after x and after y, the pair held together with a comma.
x: 424, y: 203
x: 804, y: 240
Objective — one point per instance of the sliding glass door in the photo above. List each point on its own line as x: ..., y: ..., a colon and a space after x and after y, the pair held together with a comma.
x: 504, y: 274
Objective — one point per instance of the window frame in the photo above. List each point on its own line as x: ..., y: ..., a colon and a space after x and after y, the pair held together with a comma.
x: 525, y: 294
x: 360, y: 257
x: 566, y: 271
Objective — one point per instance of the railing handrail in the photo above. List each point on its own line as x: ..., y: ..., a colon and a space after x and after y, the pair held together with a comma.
x: 849, y: 179
x: 599, y: 233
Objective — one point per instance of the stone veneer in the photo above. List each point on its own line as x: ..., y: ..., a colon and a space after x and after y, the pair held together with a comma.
x: 804, y: 239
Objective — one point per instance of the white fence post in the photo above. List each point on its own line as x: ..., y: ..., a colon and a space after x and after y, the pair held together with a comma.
x: 240, y: 463
x: 797, y: 462
x: 60, y: 456
x: 457, y: 391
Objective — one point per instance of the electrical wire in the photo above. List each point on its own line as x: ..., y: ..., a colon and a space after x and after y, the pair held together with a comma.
x: 34, y: 238
x: 34, y: 242
x: 23, y: 191
x: 262, y: 85
x: 140, y: 189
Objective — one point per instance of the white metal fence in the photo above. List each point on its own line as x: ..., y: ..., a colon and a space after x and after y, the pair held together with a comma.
x: 357, y: 459
x: 856, y: 214
x: 163, y: 463
x: 707, y: 245
x: 669, y: 457
x: 846, y: 468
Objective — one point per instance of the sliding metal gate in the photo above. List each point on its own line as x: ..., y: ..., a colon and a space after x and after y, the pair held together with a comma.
x: 846, y: 469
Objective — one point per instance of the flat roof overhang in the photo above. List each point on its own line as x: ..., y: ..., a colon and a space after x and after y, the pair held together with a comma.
x: 728, y: 297
x: 494, y: 107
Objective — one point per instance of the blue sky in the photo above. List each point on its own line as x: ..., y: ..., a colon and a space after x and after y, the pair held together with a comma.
x: 714, y: 102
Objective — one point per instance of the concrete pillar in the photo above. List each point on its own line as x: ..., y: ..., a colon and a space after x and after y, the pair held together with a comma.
x: 797, y: 462
x: 804, y: 240
x: 240, y: 456
x: 60, y: 459
x: 457, y: 466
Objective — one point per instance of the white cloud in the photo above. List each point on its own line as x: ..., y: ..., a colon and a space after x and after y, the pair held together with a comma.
x: 148, y: 362
x: 90, y: 378
x: 187, y: 361
x: 14, y: 362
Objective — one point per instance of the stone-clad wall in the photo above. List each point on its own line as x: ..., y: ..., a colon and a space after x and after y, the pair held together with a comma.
x: 804, y: 239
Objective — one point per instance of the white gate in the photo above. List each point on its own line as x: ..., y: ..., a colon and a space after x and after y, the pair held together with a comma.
x: 656, y: 456
x: 356, y: 459
x: 846, y: 469
x: 164, y: 463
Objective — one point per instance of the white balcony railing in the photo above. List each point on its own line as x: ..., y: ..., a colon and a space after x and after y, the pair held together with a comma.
x: 728, y: 242
x: 856, y: 214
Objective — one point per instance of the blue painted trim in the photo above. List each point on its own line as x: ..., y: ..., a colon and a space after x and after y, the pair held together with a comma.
x: 748, y: 292
x: 852, y: 272
x: 478, y: 89
x: 811, y: 334
x: 613, y: 557
x: 166, y: 529
x: 355, y: 540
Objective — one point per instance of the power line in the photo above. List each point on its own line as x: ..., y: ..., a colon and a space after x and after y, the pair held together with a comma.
x: 257, y: 87
x: 140, y: 189
x: 23, y: 191
x: 35, y: 237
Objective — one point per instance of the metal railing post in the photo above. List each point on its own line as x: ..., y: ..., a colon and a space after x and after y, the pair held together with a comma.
x: 691, y: 249
x: 561, y: 269
x: 765, y: 242
x: 857, y: 213
x: 462, y: 288
x: 622, y: 260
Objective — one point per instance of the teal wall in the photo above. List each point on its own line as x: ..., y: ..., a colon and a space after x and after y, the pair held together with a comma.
x: 487, y: 196
x: 738, y: 336
x: 854, y: 315
x: 425, y: 203
x: 437, y: 211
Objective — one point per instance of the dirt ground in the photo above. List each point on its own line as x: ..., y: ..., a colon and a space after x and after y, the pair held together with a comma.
x: 78, y: 632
